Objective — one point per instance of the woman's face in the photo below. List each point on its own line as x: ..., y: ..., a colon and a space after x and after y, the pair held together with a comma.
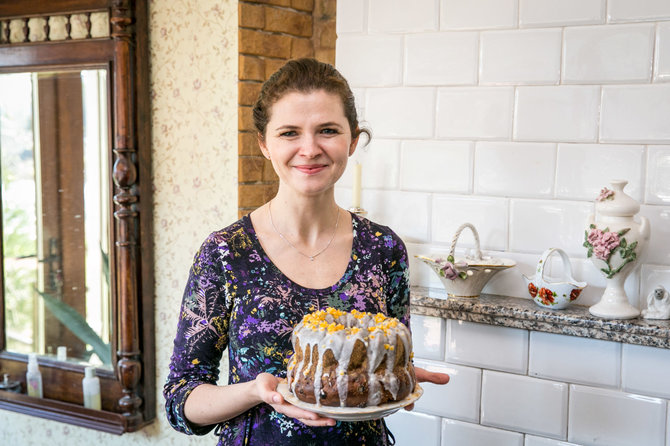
x: 308, y: 140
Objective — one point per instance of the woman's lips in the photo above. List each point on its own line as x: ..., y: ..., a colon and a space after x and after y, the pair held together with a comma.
x: 311, y: 169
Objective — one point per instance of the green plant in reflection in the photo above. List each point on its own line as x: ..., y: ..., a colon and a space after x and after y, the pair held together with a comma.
x: 74, y: 321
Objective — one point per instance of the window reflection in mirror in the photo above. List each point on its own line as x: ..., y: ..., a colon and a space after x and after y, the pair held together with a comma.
x: 54, y: 161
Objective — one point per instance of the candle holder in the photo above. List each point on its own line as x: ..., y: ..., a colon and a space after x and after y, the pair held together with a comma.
x: 358, y: 211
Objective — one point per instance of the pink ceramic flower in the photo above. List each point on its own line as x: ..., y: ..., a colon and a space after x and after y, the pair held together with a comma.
x: 594, y: 236
x: 605, y: 194
x: 605, y: 244
x: 449, y: 271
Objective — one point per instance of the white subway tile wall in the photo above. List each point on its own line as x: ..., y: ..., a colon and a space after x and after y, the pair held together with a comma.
x: 538, y: 13
x: 573, y: 359
x: 414, y: 428
x: 524, y: 404
x: 512, y: 115
x: 487, y: 346
x: 602, y: 416
x: 645, y: 371
x: 459, y: 433
x: 662, y: 64
x: 520, y: 57
x: 458, y: 401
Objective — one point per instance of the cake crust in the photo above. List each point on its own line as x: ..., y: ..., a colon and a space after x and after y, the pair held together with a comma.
x: 350, y: 359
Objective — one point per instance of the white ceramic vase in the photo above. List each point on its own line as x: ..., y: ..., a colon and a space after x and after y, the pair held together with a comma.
x: 614, y: 240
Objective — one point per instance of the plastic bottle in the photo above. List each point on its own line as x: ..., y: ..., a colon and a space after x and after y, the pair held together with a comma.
x: 91, y: 389
x: 33, y: 377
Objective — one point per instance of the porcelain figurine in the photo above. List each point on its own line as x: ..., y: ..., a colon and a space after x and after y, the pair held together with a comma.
x: 658, y: 304
x: 556, y: 294
x: 466, y: 276
x: 614, y: 241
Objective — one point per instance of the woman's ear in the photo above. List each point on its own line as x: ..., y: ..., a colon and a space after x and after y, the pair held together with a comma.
x: 263, y: 147
x: 353, y: 145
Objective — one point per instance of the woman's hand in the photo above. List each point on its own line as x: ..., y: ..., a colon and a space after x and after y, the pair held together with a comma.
x: 423, y: 375
x: 266, y: 386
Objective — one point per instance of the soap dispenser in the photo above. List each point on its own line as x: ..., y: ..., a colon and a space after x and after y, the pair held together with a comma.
x: 91, y: 389
x: 33, y: 377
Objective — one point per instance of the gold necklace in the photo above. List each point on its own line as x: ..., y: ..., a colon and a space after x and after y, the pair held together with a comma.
x: 288, y: 242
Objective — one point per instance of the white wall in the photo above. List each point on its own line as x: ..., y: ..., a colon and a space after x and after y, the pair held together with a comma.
x: 512, y: 115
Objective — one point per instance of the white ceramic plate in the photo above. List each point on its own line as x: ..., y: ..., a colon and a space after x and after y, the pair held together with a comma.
x: 351, y: 413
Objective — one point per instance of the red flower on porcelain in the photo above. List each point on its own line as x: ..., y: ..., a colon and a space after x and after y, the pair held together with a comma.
x: 546, y: 295
x: 574, y: 294
x: 532, y: 289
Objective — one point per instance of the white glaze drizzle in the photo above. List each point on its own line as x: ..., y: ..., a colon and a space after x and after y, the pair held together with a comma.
x: 342, y: 342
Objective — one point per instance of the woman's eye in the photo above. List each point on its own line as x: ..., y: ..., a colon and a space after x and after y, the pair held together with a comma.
x: 328, y: 131
x: 288, y: 133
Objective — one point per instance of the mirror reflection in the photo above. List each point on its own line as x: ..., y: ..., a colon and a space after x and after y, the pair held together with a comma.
x: 54, y: 161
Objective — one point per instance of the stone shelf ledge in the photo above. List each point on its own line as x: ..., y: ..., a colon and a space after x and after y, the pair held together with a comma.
x: 515, y: 312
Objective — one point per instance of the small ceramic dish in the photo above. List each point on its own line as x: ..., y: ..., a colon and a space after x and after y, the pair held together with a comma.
x: 550, y: 293
x: 466, y: 276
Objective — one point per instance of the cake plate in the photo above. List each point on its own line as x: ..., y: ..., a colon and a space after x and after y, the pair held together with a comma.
x: 351, y: 413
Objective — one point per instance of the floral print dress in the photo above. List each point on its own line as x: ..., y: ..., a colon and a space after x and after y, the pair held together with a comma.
x: 236, y: 298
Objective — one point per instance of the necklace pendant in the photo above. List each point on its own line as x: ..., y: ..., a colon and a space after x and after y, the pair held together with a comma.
x: 311, y: 258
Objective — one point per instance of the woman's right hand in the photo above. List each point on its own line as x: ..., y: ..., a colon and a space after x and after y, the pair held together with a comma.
x: 266, y: 387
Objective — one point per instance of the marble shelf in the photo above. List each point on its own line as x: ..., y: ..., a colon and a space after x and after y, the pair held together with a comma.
x: 525, y: 314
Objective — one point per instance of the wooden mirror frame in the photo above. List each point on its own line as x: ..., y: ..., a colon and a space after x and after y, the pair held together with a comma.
x: 128, y: 392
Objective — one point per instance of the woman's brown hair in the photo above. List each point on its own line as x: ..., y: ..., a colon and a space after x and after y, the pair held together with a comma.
x: 304, y: 76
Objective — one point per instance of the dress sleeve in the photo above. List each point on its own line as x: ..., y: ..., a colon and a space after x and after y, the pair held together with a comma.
x: 202, y: 334
x: 397, y: 302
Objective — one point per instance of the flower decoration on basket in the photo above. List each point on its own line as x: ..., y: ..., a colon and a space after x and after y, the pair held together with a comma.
x: 551, y: 293
x: 467, y: 276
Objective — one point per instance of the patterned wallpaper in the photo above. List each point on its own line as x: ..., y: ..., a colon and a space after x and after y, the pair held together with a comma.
x: 194, y: 113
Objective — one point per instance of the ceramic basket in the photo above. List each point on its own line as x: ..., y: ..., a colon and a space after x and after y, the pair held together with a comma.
x: 466, y: 276
x: 556, y: 294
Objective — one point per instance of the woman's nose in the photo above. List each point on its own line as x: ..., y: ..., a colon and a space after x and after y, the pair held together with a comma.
x: 309, y: 147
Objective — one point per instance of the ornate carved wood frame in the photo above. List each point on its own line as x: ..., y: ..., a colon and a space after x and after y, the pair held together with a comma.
x: 128, y: 393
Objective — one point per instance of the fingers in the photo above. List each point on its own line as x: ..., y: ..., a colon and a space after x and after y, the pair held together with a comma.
x: 423, y: 375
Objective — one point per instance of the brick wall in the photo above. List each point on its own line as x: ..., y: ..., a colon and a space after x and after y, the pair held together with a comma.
x: 270, y: 33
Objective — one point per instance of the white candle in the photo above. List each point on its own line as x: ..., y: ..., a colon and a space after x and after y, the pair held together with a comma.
x: 356, y: 188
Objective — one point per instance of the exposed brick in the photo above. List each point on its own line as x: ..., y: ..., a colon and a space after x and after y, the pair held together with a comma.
x: 303, y: 5
x: 272, y: 2
x: 269, y: 173
x: 245, y: 119
x: 289, y: 22
x: 251, y: 16
x: 272, y: 65
x: 301, y: 47
x: 248, y: 92
x: 254, y: 195
x: 325, y: 9
x: 326, y: 55
x: 251, y: 169
x: 251, y: 68
x: 263, y: 44
x: 247, y: 144
x: 327, y: 34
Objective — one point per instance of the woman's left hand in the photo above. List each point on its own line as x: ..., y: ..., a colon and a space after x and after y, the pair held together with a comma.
x: 423, y: 375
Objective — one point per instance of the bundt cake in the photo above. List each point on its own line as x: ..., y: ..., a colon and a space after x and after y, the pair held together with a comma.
x: 352, y: 359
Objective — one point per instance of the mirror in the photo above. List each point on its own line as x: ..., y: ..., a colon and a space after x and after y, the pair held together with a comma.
x: 75, y: 222
x: 55, y: 188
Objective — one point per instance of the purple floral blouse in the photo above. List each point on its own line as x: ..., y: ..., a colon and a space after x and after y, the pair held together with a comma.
x: 236, y: 298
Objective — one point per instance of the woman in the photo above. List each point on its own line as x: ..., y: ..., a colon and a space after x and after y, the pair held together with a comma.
x: 252, y: 282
